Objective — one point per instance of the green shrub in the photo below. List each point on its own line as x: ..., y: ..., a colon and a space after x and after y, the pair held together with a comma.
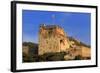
x: 58, y: 56
x: 78, y: 57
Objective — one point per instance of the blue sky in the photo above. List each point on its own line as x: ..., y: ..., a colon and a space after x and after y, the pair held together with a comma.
x: 75, y: 24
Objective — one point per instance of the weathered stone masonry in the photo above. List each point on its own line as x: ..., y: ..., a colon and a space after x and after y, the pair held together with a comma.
x: 52, y: 38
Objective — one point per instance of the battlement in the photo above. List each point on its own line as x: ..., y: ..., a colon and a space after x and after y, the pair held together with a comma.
x: 49, y: 26
x: 52, y: 29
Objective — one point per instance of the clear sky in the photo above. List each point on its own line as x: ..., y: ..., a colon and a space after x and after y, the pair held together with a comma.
x: 77, y: 25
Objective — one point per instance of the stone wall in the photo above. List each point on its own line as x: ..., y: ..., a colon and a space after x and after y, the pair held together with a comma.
x: 86, y: 52
x: 25, y: 50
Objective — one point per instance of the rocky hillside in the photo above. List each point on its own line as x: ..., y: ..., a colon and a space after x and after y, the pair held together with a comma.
x: 78, y: 51
x: 33, y: 47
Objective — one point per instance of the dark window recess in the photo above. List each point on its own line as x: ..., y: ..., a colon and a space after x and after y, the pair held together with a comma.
x: 62, y: 42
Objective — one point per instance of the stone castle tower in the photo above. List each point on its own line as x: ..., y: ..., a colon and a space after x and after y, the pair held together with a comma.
x: 52, y: 38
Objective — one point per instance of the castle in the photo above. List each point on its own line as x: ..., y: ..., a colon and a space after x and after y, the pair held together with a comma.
x: 52, y: 38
